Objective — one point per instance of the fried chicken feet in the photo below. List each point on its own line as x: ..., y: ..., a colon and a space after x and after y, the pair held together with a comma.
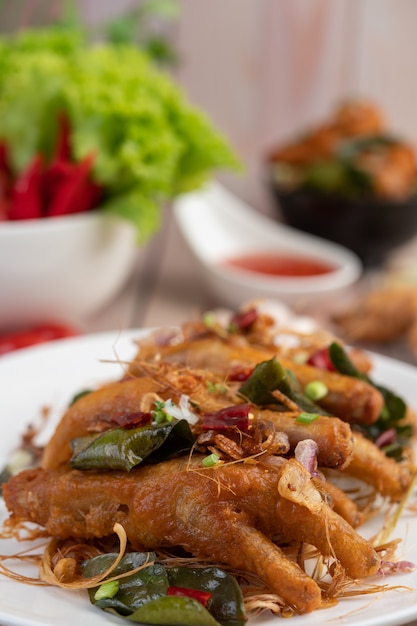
x: 231, y: 514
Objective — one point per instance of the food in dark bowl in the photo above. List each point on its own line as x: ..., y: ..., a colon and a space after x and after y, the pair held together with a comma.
x: 349, y: 181
x: 369, y: 227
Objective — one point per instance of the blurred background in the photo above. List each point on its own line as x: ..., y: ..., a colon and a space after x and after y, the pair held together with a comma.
x: 263, y: 69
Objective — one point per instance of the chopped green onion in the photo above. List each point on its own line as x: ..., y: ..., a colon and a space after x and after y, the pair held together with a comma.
x: 216, y: 387
x: 210, y: 460
x: 307, y: 418
x: 159, y: 417
x: 159, y: 414
x: 107, y: 590
x: 316, y: 390
x: 209, y: 319
x: 300, y: 358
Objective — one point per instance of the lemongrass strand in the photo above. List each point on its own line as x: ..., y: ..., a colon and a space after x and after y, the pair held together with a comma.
x: 47, y: 574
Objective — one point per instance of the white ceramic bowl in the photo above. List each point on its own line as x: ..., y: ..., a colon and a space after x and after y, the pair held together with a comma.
x: 62, y: 269
x: 217, y: 225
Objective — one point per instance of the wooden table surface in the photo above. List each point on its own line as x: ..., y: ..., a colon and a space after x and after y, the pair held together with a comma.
x: 165, y: 287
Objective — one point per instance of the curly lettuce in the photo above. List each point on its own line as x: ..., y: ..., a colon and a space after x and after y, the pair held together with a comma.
x: 149, y: 142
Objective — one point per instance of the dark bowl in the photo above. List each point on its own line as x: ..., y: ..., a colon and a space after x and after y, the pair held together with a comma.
x: 370, y: 227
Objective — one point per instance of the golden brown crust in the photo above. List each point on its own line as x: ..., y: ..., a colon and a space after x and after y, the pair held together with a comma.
x: 388, y: 477
x: 228, y: 514
x: 104, y: 403
x: 348, y: 398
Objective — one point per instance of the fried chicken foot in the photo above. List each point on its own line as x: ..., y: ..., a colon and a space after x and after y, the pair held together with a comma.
x: 94, y: 411
x: 347, y: 450
x: 229, y: 514
x: 102, y: 404
x: 333, y: 437
x: 389, y: 478
x: 340, y: 502
x: 350, y: 399
x: 380, y: 316
x: 338, y: 448
x: 331, y: 434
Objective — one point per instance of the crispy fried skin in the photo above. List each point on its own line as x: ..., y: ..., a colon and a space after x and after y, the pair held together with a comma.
x: 388, y: 477
x: 340, y: 502
x: 228, y: 514
x: 110, y: 400
x: 123, y: 397
x: 332, y: 435
x: 350, y: 399
x: 338, y: 448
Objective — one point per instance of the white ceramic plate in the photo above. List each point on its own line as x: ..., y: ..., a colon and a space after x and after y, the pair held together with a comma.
x: 50, y: 375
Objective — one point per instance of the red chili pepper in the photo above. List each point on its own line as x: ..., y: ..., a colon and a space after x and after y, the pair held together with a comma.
x: 202, y: 596
x: 132, y: 420
x: 5, y: 159
x: 60, y: 188
x: 321, y: 359
x: 236, y: 415
x: 63, y: 142
x: 72, y: 189
x: 6, y: 180
x: 243, y: 320
x: 240, y: 374
x: 69, y: 187
x: 386, y: 438
x: 35, y: 335
x: 27, y: 194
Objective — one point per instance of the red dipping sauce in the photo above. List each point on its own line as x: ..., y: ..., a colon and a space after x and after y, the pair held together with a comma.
x: 279, y: 265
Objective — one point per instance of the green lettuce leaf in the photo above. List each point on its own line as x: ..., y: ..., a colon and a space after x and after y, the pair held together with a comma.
x: 149, y: 142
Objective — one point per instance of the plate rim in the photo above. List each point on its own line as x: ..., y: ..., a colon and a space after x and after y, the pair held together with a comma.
x: 106, y: 341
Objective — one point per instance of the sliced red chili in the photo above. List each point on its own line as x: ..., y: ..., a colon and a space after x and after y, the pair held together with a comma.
x: 386, y: 438
x: 27, y: 194
x: 4, y: 210
x: 321, y: 359
x: 243, y: 320
x: 69, y: 187
x: 202, y: 596
x: 5, y: 159
x: 73, y: 189
x: 132, y: 420
x: 231, y: 416
x: 6, y: 180
x: 239, y: 374
x: 61, y: 187
x: 63, y: 140
x: 35, y: 335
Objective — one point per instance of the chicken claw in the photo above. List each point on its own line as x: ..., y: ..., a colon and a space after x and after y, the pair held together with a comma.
x: 232, y: 514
